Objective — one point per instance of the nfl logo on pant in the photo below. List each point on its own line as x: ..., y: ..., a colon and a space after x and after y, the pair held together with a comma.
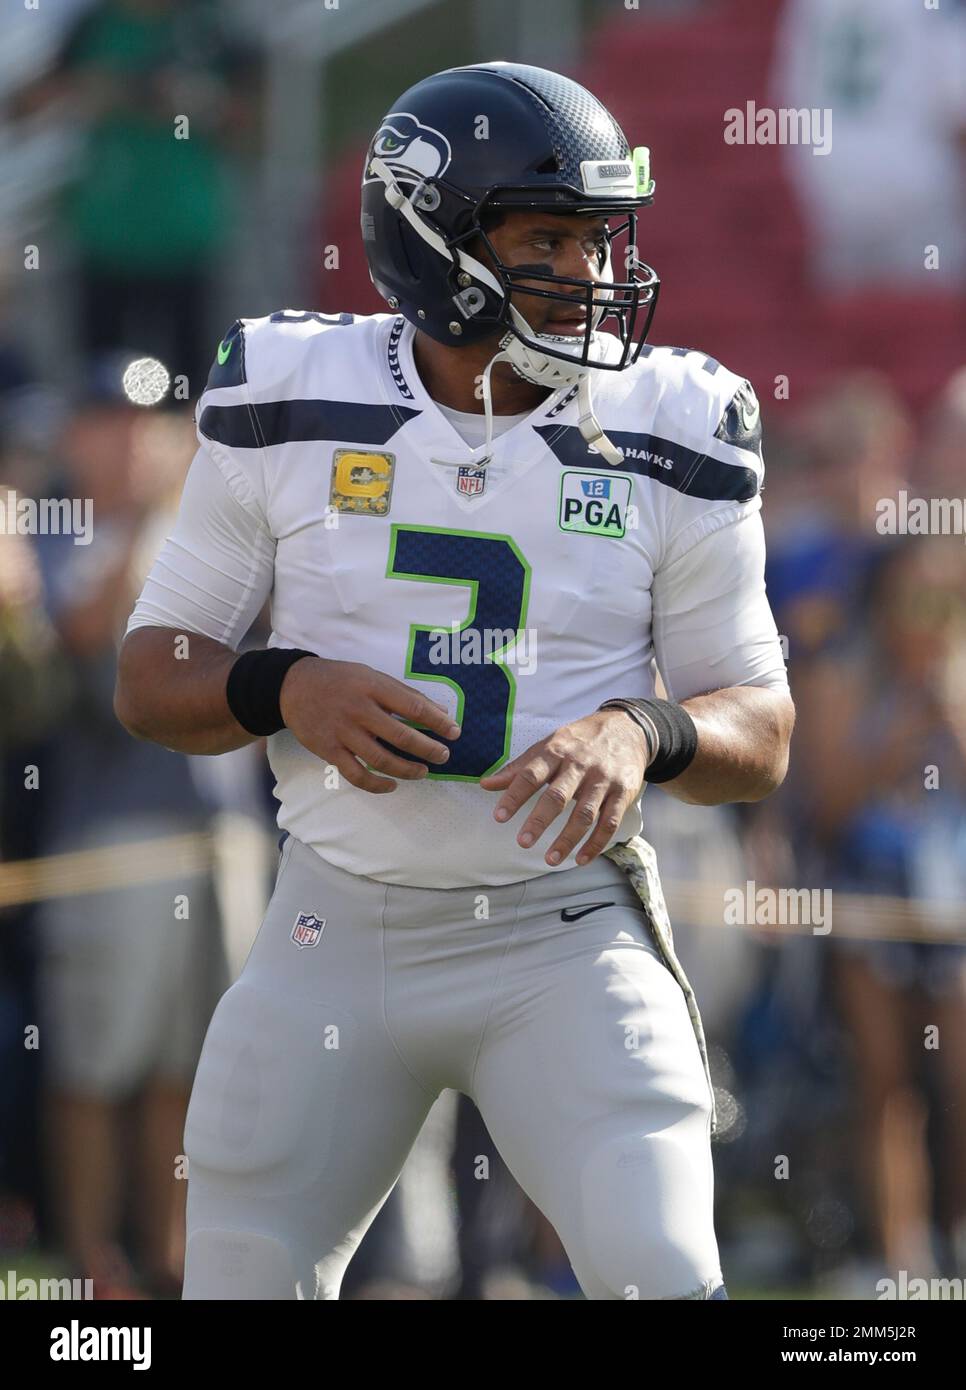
x: 307, y: 930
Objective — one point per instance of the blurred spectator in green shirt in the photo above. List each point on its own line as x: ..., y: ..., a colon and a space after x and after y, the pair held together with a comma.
x: 159, y: 88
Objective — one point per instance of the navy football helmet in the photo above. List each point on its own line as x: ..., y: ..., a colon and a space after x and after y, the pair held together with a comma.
x: 462, y: 147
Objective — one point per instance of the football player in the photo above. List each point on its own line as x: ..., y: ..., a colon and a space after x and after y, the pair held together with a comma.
x: 486, y: 523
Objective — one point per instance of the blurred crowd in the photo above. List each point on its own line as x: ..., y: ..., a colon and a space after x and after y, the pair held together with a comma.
x: 894, y: 83
x: 844, y: 1054
x: 874, y: 805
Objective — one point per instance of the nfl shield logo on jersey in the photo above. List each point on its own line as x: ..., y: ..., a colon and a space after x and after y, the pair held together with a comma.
x: 307, y: 930
x: 471, y: 481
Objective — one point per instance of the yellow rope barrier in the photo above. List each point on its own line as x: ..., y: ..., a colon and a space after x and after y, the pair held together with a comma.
x: 174, y: 858
x: 109, y: 866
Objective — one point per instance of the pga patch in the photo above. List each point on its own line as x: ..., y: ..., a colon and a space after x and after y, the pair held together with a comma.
x: 594, y: 504
x: 307, y: 930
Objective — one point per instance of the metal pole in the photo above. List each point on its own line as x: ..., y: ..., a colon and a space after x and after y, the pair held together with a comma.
x: 292, y: 173
x: 303, y: 38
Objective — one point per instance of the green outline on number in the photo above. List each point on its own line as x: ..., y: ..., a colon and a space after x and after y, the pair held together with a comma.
x: 473, y: 585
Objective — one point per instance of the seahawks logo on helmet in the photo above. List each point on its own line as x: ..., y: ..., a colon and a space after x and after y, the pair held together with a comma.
x: 411, y: 150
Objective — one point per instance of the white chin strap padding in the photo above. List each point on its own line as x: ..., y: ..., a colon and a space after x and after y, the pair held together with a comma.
x: 554, y: 372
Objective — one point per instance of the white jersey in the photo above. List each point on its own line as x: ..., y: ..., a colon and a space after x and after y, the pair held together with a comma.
x: 519, y: 597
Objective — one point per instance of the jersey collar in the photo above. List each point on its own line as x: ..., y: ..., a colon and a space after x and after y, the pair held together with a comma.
x: 402, y: 383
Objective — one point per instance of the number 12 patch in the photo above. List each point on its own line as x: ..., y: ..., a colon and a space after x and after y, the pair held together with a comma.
x: 594, y: 504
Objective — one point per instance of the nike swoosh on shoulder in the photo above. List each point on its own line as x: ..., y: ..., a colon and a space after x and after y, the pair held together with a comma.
x: 573, y: 914
x: 749, y: 415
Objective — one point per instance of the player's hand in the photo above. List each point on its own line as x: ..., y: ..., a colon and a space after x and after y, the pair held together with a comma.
x: 598, y: 762
x: 339, y: 709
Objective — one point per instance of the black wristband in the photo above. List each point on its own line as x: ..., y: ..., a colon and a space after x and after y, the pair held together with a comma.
x: 255, y: 685
x: 677, y: 737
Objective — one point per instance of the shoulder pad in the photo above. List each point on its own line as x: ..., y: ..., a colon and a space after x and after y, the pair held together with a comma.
x: 740, y: 424
x: 276, y: 380
x: 711, y: 415
x: 228, y: 368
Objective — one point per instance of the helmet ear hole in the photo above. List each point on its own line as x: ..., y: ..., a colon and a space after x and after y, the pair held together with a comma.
x: 549, y: 166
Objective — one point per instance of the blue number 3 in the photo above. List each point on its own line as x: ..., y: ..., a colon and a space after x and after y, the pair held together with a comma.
x: 498, y: 578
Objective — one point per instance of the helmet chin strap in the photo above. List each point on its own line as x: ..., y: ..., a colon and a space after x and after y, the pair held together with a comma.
x: 534, y: 366
x: 543, y: 370
x: 480, y: 456
x: 587, y: 421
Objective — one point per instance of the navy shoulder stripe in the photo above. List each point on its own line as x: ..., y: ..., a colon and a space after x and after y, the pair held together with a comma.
x: 228, y: 368
x: 666, y: 462
x: 286, y: 422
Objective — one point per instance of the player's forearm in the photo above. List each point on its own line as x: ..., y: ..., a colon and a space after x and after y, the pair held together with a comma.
x: 171, y: 690
x: 743, y: 739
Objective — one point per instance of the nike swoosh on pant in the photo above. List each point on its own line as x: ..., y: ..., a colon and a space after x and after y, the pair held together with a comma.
x: 573, y: 914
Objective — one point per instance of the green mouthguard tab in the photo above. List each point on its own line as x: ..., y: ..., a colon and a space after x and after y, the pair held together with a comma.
x: 641, y: 156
